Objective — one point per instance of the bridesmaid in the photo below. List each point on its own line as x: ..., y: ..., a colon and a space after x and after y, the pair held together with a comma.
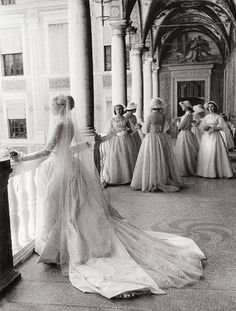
x: 199, y: 113
x: 136, y: 127
x: 122, y: 150
x: 156, y: 167
x: 186, y: 145
x: 213, y: 160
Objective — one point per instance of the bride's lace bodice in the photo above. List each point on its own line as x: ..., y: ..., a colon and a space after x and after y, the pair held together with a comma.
x: 59, y: 132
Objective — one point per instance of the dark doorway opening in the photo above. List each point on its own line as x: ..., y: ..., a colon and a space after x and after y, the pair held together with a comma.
x: 194, y: 91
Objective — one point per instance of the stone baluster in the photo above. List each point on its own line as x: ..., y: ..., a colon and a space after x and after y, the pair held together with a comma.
x: 7, y: 274
x: 14, y: 217
x: 31, y: 191
x: 23, y: 209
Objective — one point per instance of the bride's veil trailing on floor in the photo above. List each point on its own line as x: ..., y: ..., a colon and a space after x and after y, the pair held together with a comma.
x: 89, y: 239
x: 83, y: 228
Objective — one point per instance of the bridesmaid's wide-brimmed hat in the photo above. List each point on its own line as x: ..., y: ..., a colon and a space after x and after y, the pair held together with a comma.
x: 185, y: 103
x: 156, y: 103
x: 210, y: 102
x: 131, y: 106
x: 198, y: 108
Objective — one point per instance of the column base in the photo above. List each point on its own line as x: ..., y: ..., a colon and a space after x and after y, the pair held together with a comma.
x: 10, y: 278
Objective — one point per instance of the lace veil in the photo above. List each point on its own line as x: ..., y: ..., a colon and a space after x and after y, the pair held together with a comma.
x: 74, y: 171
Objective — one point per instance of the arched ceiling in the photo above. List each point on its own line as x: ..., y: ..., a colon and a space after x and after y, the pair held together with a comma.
x: 166, y: 18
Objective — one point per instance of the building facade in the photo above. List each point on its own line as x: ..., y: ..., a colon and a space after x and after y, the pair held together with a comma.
x: 176, y: 51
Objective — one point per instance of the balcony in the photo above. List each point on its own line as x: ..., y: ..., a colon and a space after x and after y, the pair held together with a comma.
x: 204, y: 211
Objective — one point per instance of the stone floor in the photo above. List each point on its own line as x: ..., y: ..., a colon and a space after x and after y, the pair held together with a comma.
x: 205, y: 210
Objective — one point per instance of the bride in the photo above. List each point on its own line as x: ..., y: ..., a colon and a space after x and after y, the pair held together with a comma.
x: 80, y: 231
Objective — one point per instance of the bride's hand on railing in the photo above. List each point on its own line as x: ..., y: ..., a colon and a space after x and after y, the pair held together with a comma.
x: 15, y: 156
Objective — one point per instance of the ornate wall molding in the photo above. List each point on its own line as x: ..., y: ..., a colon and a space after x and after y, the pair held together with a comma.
x: 106, y: 81
x: 13, y: 85
x: 189, y: 73
x: 129, y: 79
x: 59, y: 83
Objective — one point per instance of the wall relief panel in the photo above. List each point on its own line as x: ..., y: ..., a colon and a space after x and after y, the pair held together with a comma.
x: 59, y: 83
x: 13, y: 85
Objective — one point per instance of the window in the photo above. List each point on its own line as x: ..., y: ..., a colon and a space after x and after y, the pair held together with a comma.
x: 107, y: 58
x: 6, y: 2
x: 16, y: 119
x: 17, y: 128
x: 13, y: 64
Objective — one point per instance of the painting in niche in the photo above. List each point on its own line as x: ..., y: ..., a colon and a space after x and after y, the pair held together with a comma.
x: 191, y: 47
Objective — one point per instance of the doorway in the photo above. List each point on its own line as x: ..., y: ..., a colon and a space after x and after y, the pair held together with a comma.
x: 194, y: 91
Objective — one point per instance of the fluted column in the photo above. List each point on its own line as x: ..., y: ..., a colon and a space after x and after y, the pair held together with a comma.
x: 81, y: 63
x: 155, y: 84
x: 7, y: 273
x: 137, y: 78
x: 119, y: 79
x: 147, y: 83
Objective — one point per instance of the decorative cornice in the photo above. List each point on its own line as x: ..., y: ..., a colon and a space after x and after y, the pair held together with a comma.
x: 118, y: 27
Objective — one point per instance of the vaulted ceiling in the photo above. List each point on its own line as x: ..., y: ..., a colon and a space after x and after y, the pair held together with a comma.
x: 162, y: 20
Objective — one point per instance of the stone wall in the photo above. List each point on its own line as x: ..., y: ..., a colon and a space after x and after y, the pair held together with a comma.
x: 217, y: 86
x: 230, y: 83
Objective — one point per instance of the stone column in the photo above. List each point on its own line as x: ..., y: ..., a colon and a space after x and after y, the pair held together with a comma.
x: 32, y: 20
x: 155, y: 84
x: 119, y: 77
x: 137, y: 78
x: 147, y: 83
x: 81, y: 63
x: 7, y: 274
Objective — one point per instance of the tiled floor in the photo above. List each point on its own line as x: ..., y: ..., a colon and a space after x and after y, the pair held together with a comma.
x: 205, y: 210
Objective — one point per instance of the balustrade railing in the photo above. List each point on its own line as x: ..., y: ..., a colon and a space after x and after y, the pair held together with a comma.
x: 23, y: 201
x: 22, y: 207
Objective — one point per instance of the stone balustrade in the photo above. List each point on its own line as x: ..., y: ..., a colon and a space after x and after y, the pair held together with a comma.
x: 22, y: 208
x: 18, y: 208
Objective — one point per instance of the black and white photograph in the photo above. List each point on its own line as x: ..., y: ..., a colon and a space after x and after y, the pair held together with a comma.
x: 117, y: 155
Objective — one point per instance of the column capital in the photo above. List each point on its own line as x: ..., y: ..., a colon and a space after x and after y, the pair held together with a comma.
x: 137, y: 49
x: 155, y: 66
x: 118, y: 27
x: 148, y: 60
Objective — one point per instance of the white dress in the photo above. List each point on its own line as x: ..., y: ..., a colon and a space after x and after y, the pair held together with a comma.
x: 121, y: 152
x: 136, y: 128
x: 156, y: 167
x: 196, y: 127
x: 101, y: 252
x: 186, y: 146
x: 213, y: 160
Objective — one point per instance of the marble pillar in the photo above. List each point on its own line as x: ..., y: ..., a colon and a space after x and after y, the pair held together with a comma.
x: 34, y: 52
x: 81, y: 64
x: 155, y: 84
x: 137, y: 78
x: 119, y: 76
x: 147, y: 83
x: 7, y: 274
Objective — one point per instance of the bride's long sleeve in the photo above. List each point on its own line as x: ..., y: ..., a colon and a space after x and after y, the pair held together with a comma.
x: 48, y: 147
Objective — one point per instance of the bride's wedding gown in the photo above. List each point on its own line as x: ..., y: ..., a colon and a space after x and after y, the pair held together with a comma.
x: 101, y: 252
